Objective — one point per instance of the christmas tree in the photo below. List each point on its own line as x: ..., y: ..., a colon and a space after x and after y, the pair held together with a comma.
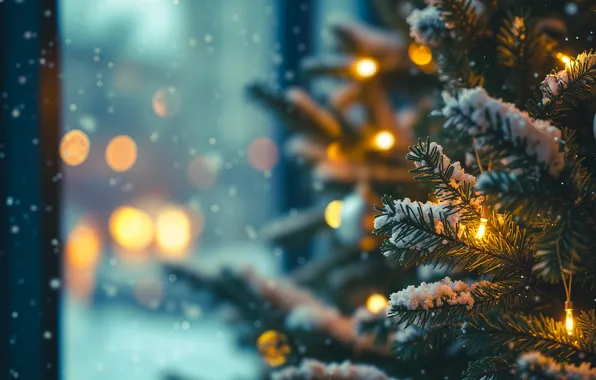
x: 508, y: 226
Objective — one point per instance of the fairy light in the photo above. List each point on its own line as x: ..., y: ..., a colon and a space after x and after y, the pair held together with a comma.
x: 366, y: 67
x: 481, y: 228
x: 483, y: 220
x: 376, y: 303
x: 564, y: 58
x: 419, y: 54
x: 569, y: 317
x: 274, y: 347
x: 383, y: 141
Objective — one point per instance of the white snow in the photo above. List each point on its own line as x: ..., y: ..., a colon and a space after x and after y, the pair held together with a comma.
x: 427, y: 26
x: 434, y: 295
x: 314, y: 370
x: 405, y: 207
x: 542, y: 138
x: 531, y: 361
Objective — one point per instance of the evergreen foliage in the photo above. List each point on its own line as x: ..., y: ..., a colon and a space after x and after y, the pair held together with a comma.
x: 540, y: 231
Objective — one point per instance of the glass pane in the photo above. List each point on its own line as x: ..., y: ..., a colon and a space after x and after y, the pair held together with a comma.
x: 165, y: 160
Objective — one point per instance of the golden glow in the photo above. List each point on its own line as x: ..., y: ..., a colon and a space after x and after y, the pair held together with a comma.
x: 419, y: 54
x: 273, y: 347
x: 333, y: 214
x: 481, y: 228
x: 83, y: 247
x: 569, y: 321
x: 366, y: 67
x: 565, y: 59
x: 173, y: 232
x: 131, y: 228
x: 74, y: 147
x: 383, y: 140
x: 376, y: 303
x: 333, y: 151
x: 121, y: 153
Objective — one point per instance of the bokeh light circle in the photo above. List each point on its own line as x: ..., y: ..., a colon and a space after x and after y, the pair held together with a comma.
x: 74, y: 147
x: 121, y: 153
x: 263, y: 154
x: 173, y: 233
x: 83, y: 247
x: 131, y: 228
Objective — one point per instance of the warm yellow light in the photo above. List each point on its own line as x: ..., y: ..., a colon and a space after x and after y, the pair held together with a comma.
x: 366, y: 67
x: 83, y: 247
x: 565, y: 59
x: 569, y: 318
x: 481, y: 228
x: 274, y: 347
x: 333, y: 151
x: 333, y: 214
x: 121, y: 153
x: 173, y: 232
x: 376, y: 303
x: 131, y: 228
x: 383, y: 140
x: 419, y: 54
x: 74, y: 147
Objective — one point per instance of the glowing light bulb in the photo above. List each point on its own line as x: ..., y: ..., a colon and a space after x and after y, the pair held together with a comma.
x: 569, y: 317
x: 333, y: 151
x: 274, y: 347
x: 565, y: 59
x: 383, y: 140
x: 366, y: 67
x: 481, y: 228
x: 333, y: 214
x: 376, y: 303
x: 420, y: 54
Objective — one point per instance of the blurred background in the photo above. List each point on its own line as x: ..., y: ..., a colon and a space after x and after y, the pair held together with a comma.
x: 166, y: 160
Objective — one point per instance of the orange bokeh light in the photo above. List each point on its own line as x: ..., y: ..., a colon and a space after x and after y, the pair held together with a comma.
x: 173, y: 232
x: 166, y: 102
x: 74, y: 147
x: 121, y: 153
x: 131, y: 228
x: 263, y: 154
x: 83, y: 247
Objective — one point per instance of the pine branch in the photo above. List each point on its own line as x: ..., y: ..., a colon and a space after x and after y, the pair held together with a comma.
x: 433, y: 167
x: 574, y: 86
x: 319, y: 124
x: 490, y: 368
x: 486, y: 296
x: 586, y: 322
x: 419, y: 235
x: 523, y: 50
x: 455, y: 69
x: 414, y: 342
x: 460, y: 18
x: 526, y: 333
x: 535, y: 366
x: 570, y: 202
